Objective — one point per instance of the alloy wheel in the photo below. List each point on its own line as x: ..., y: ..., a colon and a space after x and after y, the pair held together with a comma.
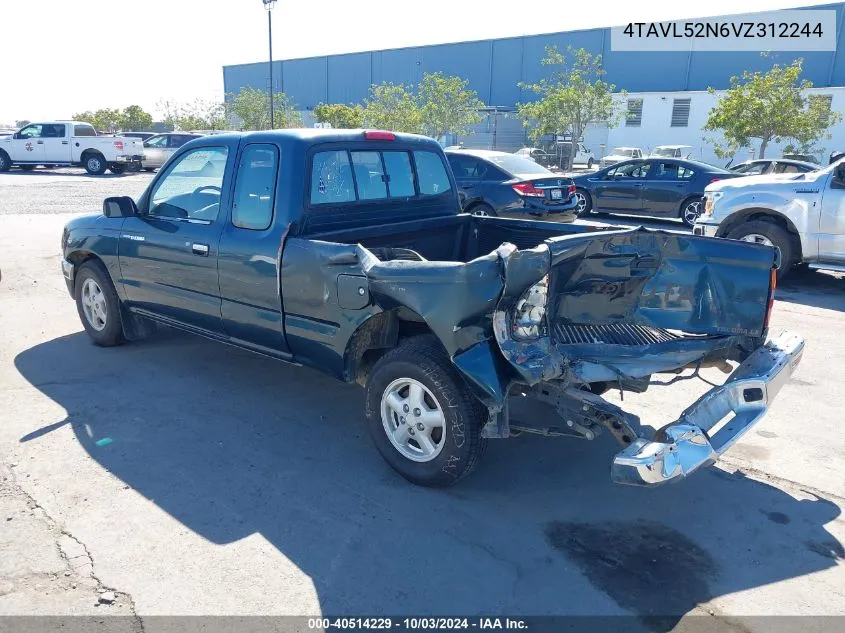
x: 413, y: 420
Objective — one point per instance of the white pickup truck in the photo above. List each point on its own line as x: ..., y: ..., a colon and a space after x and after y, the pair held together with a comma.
x: 69, y: 143
x: 801, y: 214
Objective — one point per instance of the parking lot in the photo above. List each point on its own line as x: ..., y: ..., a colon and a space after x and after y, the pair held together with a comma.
x: 185, y: 477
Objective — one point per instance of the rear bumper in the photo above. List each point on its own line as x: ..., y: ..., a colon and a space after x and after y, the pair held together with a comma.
x: 129, y: 158
x: 693, y: 440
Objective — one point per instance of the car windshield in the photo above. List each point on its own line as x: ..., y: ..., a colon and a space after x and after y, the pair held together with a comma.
x: 623, y: 151
x: 665, y: 151
x: 515, y: 164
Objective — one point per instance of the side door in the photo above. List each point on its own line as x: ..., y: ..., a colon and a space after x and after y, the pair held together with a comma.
x: 56, y: 143
x: 168, y: 253
x: 664, y: 188
x: 467, y: 177
x: 28, y: 145
x: 621, y: 188
x: 156, y: 152
x: 248, y: 264
x: 832, y: 219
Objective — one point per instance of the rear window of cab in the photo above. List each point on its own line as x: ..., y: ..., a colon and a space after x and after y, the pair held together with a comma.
x: 350, y: 175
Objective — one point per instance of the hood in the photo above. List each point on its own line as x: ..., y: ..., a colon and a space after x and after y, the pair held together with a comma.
x: 767, y: 180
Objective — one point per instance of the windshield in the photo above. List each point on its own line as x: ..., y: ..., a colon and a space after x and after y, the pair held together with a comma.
x: 623, y: 151
x: 668, y: 152
x: 514, y: 164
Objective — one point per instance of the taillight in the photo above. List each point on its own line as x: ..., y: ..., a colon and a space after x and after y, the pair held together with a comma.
x: 528, y: 189
x: 570, y: 190
x: 118, y: 145
x: 773, y: 282
x: 379, y: 135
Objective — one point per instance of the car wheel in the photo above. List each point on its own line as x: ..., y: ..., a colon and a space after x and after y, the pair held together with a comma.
x: 149, y: 168
x: 134, y: 167
x: 117, y: 168
x: 5, y: 161
x: 768, y: 234
x: 27, y: 167
x: 690, y: 210
x: 98, y: 304
x: 585, y: 202
x: 422, y: 417
x: 95, y: 164
x: 483, y: 211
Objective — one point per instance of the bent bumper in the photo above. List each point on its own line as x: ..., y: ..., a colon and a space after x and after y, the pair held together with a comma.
x: 694, y: 440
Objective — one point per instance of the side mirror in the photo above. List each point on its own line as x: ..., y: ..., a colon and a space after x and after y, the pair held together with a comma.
x: 462, y: 199
x: 119, y: 207
x: 17, y: 135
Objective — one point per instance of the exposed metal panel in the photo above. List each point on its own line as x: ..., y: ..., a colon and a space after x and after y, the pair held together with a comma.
x: 349, y: 78
x: 401, y: 66
x: 470, y: 60
x: 305, y: 81
x: 507, y: 71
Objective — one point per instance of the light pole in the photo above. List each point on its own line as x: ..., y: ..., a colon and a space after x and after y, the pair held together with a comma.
x: 269, y: 4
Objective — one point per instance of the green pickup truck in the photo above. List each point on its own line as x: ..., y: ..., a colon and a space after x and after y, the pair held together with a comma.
x: 346, y: 250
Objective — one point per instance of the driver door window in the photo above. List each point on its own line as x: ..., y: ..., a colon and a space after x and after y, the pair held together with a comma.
x: 631, y: 171
x: 31, y: 131
x: 191, y: 187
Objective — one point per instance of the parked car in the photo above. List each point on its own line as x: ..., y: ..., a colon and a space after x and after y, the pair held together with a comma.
x: 351, y: 256
x: 800, y: 214
x: 539, y: 156
x: 508, y: 185
x: 807, y: 158
x: 661, y: 187
x: 762, y: 166
x: 161, y: 147
x: 619, y: 154
x: 583, y: 156
x: 672, y: 151
x: 141, y: 135
x: 68, y: 143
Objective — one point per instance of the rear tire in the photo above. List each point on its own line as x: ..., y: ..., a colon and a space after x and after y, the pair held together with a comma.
x: 483, y: 210
x: 117, y: 168
x: 585, y: 202
x: 5, y: 161
x: 95, y: 164
x: 770, y: 234
x: 443, y: 413
x: 691, y: 209
x: 98, y: 304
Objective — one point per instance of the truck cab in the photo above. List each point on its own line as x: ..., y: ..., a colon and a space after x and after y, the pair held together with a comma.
x: 73, y: 143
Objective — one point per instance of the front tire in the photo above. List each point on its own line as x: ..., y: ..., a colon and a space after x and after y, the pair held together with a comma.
x: 768, y: 234
x: 117, y: 168
x: 585, y: 202
x: 95, y: 164
x: 98, y: 304
x: 422, y: 417
x: 5, y: 161
x: 483, y: 210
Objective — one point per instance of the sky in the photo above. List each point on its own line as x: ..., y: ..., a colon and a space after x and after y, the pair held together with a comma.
x: 90, y: 54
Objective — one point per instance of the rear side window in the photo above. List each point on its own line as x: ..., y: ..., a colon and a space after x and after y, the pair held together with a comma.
x: 84, y: 130
x: 431, y: 174
x: 399, y: 174
x: 255, y: 187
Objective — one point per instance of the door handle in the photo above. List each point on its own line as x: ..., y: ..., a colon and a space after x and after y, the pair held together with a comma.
x: 64, y: 142
x: 200, y: 249
x: 39, y: 142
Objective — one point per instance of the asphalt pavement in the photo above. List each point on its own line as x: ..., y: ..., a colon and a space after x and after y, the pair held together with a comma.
x: 178, y: 476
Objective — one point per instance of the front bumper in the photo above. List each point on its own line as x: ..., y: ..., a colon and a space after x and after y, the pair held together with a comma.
x: 68, y: 270
x: 705, y: 229
x: 694, y: 440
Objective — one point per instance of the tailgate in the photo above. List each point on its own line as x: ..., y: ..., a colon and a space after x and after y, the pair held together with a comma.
x: 636, y: 302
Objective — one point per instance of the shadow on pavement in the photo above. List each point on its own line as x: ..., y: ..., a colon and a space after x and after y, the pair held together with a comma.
x: 232, y: 444
x: 822, y: 289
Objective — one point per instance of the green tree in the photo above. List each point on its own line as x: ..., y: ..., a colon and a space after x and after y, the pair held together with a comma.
x: 252, y: 107
x: 447, y: 105
x: 574, y: 95
x: 767, y: 107
x: 339, y: 115
x: 104, y: 119
x: 135, y: 119
x: 392, y: 107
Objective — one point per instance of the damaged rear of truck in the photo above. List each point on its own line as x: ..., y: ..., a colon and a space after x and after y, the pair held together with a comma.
x: 564, y: 322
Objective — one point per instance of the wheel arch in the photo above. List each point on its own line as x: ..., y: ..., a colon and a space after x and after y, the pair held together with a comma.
x: 80, y: 257
x: 767, y: 215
